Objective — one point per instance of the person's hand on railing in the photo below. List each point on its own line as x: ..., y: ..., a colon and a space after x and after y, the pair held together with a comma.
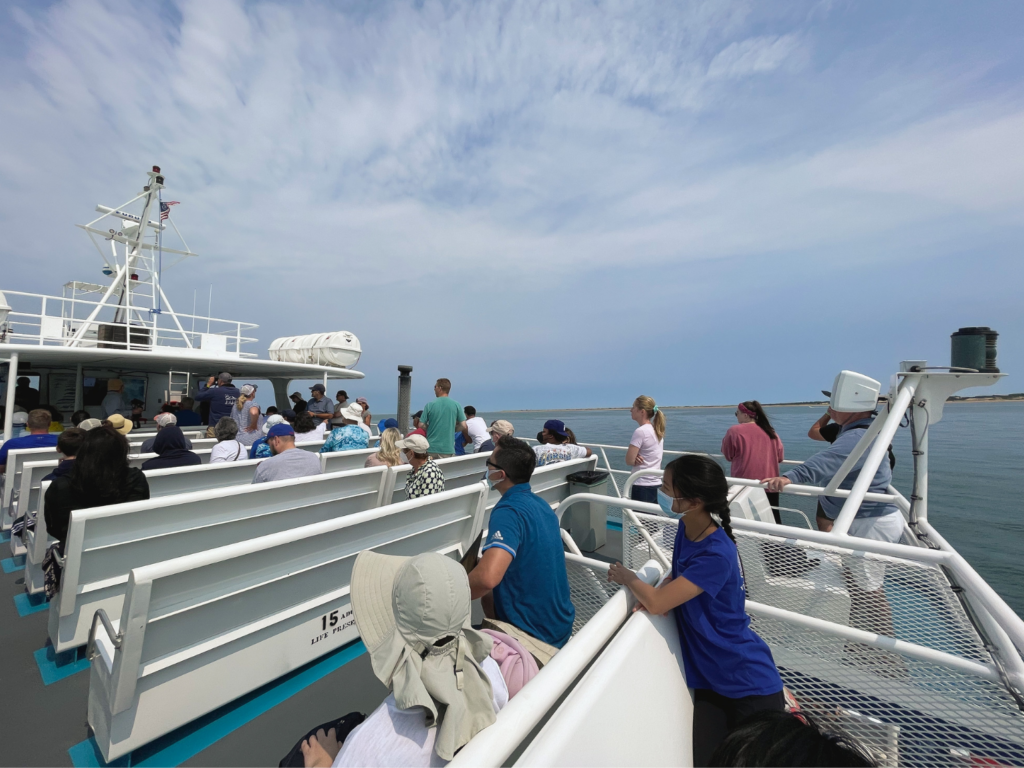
x: 620, y: 574
x: 776, y: 484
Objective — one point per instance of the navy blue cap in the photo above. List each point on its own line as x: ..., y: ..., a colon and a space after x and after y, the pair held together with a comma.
x: 281, y: 430
x: 387, y: 424
x: 556, y: 426
x: 318, y: 388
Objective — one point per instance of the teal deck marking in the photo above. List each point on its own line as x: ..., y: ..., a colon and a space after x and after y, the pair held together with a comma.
x: 56, y: 666
x: 12, y: 564
x: 5, y: 536
x: 29, y: 604
x: 191, y: 739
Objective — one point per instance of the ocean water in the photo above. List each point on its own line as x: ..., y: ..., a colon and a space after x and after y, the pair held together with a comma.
x: 976, y: 476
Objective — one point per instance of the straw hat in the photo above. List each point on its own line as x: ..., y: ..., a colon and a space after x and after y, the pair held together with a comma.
x: 119, y: 423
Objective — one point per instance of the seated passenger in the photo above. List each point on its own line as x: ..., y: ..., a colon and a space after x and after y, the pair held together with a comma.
x: 558, y: 443
x: 186, y: 416
x: 523, y: 562
x: 78, y: 417
x: 39, y: 436
x: 119, y: 424
x: 728, y: 665
x: 417, y: 426
x: 162, y: 420
x: 389, y: 455
x: 413, y: 615
x: 426, y: 477
x: 350, y: 436
x: 498, y: 428
x: 100, y: 475
x: 287, y: 461
x: 260, y: 449
x: 306, y: 429
x: 69, y: 443
x: 227, y: 447
x: 171, y: 449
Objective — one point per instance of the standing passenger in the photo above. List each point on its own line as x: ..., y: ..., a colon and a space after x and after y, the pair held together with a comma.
x: 476, y: 427
x: 443, y: 417
x: 113, y: 402
x: 728, y: 665
x: 646, y: 448
x: 246, y: 414
x: 321, y: 408
x: 754, y: 448
x: 221, y: 398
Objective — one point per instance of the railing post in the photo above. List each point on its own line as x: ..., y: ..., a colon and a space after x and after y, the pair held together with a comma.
x: 879, y: 450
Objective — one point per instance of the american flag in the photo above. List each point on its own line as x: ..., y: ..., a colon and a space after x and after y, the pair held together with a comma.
x: 165, y: 209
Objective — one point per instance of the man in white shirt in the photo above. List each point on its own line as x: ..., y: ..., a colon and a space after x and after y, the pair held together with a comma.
x: 412, y: 613
x: 477, y: 429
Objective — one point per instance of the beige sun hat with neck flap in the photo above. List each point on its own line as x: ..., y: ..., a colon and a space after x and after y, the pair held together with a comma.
x: 402, y: 607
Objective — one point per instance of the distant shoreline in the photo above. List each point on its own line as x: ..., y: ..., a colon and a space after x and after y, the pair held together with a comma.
x: 1014, y: 398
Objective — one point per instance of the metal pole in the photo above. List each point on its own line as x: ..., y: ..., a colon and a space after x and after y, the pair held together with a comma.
x: 404, y: 396
x: 78, y: 387
x: 919, y: 494
x: 878, y: 452
x: 12, y: 379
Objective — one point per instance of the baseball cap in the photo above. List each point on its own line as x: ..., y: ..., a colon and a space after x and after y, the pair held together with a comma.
x: 165, y: 419
x: 288, y: 414
x: 281, y: 430
x: 88, y: 424
x: 248, y: 390
x: 21, y: 417
x: 556, y: 426
x: 501, y: 427
x: 414, y: 443
x: 387, y: 424
x: 119, y: 423
x: 318, y: 388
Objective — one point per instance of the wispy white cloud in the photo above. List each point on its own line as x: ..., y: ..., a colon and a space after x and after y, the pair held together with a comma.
x: 398, y: 144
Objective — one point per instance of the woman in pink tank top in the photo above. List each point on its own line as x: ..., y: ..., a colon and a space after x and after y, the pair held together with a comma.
x: 753, y: 447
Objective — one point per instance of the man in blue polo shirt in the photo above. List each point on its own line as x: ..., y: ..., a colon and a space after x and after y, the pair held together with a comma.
x: 523, y: 561
x: 39, y: 436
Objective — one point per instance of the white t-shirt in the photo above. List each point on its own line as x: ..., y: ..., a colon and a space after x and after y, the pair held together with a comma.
x: 228, y: 450
x: 651, y: 451
x: 317, y: 434
x: 477, y: 431
x: 400, y: 737
x: 552, y: 454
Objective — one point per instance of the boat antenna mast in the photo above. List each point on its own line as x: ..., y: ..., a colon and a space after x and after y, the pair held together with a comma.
x: 135, y: 293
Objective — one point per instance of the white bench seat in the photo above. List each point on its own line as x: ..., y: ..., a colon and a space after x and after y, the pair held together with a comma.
x: 199, y: 631
x: 105, y: 543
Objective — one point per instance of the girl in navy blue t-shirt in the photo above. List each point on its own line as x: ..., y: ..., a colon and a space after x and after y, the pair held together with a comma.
x: 729, y: 667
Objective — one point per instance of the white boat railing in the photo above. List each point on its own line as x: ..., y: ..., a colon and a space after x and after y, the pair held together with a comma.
x: 43, y: 320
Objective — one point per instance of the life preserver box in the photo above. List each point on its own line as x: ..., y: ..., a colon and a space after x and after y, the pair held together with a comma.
x: 339, y: 349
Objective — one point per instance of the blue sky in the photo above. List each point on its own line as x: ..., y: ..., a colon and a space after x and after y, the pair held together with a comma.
x: 554, y: 204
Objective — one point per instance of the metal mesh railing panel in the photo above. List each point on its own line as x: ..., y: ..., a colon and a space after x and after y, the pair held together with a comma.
x: 906, y: 711
x: 902, y: 710
x: 589, y: 590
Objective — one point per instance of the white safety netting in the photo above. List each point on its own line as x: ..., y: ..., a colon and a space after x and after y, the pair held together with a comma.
x: 589, y: 590
x: 903, y: 710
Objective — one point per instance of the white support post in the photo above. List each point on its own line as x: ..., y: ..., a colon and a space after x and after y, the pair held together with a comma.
x: 858, y: 450
x: 103, y: 302
x: 919, y: 493
x: 181, y: 329
x: 12, y: 382
x: 879, y: 451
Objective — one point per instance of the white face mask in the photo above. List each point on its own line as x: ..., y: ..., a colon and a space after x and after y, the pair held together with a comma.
x: 493, y: 483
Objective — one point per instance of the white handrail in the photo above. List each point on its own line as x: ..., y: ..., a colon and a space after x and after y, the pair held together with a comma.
x: 493, y: 745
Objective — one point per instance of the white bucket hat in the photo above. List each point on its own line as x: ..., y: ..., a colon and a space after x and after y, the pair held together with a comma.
x: 352, y: 412
x: 402, y: 607
x: 271, y: 421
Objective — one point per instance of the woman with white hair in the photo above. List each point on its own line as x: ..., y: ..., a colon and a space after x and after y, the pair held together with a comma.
x: 227, y: 447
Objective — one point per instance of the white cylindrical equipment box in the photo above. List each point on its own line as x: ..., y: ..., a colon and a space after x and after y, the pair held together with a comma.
x: 340, y: 349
